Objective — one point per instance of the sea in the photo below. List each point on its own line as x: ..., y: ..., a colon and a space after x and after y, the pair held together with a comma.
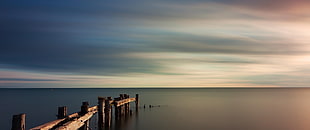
x: 173, y: 108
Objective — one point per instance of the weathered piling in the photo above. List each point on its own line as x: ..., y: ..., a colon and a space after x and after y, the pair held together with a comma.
x: 122, y: 107
x: 62, y: 112
x: 107, y: 114
x: 84, y: 110
x: 19, y: 122
x: 117, y: 110
x: 137, y: 102
x: 127, y: 105
x: 111, y: 100
x: 101, y: 104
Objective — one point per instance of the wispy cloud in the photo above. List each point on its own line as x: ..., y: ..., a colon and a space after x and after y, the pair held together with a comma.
x: 155, y: 43
x: 18, y: 79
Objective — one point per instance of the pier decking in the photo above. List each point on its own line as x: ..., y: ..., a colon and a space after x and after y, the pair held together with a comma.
x: 80, y: 120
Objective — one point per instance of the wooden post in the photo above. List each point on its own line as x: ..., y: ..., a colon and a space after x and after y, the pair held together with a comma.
x: 137, y: 102
x: 18, y: 122
x: 101, y: 113
x: 110, y: 99
x: 107, y: 114
x: 84, y: 110
x: 122, y: 110
x: 122, y: 96
x: 62, y: 112
x: 127, y: 106
x: 116, y: 109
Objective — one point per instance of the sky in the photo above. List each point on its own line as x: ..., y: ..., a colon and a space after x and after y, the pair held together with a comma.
x: 154, y: 43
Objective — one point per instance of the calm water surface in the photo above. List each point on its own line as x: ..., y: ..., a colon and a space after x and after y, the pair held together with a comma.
x: 181, y: 109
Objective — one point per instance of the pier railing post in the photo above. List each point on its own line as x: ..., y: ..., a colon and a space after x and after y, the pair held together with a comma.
x: 84, y: 110
x: 62, y: 112
x: 101, y: 101
x: 18, y: 122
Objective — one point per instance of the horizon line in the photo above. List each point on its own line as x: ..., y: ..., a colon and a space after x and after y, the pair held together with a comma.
x: 162, y: 88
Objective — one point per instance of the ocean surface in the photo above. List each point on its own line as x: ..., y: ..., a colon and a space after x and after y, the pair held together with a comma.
x: 180, y: 109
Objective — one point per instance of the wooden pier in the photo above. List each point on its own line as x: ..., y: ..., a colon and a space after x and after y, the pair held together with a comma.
x: 80, y: 120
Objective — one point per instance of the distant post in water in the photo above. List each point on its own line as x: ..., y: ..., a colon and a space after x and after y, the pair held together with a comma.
x: 62, y: 112
x: 101, y: 113
x: 137, y: 102
x: 18, y: 122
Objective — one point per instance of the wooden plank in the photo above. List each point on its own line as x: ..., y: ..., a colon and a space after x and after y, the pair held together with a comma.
x: 52, y: 124
x: 48, y: 125
x: 124, y: 101
x: 111, y: 102
x: 94, y: 108
x: 73, y: 115
x: 76, y: 124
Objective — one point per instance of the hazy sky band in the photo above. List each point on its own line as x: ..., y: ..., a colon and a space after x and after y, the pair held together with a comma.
x: 160, y: 43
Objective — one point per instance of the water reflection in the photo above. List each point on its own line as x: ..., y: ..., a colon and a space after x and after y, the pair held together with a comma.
x: 126, y: 120
x: 180, y: 109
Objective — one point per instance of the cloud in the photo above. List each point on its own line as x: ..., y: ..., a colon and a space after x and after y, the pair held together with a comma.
x: 264, y: 5
x: 182, y: 42
x: 267, y: 4
x: 20, y: 79
x: 101, y: 59
x: 139, y: 40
